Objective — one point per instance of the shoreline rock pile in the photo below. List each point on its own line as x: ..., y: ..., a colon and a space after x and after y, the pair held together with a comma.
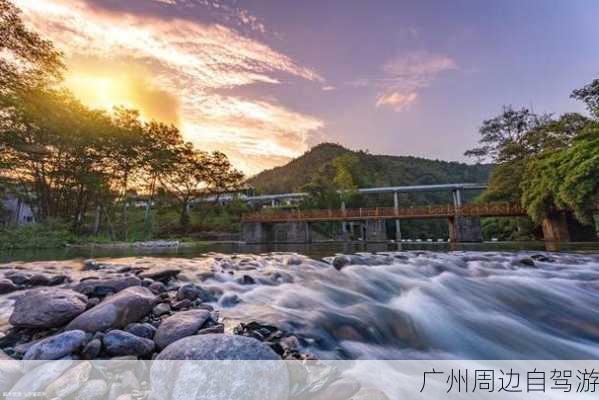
x: 120, y: 310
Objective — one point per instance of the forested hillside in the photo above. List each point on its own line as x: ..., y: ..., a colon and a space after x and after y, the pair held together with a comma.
x: 375, y: 170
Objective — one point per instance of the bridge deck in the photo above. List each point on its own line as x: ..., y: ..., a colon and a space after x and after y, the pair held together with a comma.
x: 432, y: 211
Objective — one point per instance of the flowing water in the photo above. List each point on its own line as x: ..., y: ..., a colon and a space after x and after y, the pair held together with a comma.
x: 400, y: 305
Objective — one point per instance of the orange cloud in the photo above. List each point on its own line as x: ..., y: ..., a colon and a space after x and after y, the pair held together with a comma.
x: 173, y: 69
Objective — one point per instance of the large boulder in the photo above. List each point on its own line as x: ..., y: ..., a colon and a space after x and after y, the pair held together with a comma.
x: 47, y: 308
x: 102, y: 287
x: 218, y: 347
x: 121, y: 343
x: 57, y: 346
x: 204, y: 380
x: 180, y: 325
x: 117, y: 311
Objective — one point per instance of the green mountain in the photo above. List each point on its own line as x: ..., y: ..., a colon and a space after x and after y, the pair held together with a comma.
x: 375, y: 170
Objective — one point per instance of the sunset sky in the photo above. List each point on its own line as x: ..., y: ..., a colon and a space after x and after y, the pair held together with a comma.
x: 264, y: 80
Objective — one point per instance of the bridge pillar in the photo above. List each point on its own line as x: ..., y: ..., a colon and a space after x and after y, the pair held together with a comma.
x: 256, y: 232
x: 397, y: 223
x: 292, y: 232
x: 376, y: 230
x: 465, y: 229
x: 564, y: 227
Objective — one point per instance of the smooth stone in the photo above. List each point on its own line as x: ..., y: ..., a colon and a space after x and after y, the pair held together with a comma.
x: 161, y: 309
x: 229, y: 300
x: 180, y: 325
x: 92, y: 350
x: 70, y: 381
x: 218, y: 347
x: 143, y: 330
x: 193, y: 292
x: 117, y: 311
x: 7, y: 286
x: 10, y: 371
x: 92, y: 390
x: 38, y: 378
x: 185, y: 303
x: 47, y: 308
x: 266, y: 380
x: 102, y: 287
x: 121, y: 343
x: 18, y: 278
x: 341, y: 261
x: 160, y: 273
x: 370, y: 394
x: 57, y: 346
x: 157, y: 287
x: 341, y: 389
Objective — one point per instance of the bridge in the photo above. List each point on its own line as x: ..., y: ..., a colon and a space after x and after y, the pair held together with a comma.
x: 295, y: 226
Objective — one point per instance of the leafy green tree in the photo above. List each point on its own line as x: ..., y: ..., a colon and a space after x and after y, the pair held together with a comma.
x: 589, y: 94
x: 565, y: 179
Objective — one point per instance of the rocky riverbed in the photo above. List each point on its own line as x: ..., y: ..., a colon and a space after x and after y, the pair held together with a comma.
x: 399, y: 305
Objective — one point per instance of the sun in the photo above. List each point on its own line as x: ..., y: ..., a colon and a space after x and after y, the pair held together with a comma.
x: 101, y: 91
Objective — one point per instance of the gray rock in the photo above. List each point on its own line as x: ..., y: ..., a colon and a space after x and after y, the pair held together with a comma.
x: 92, y: 349
x: 157, y: 287
x: 47, y: 308
x: 121, y: 343
x: 38, y: 378
x: 18, y: 277
x: 229, y: 300
x: 57, y: 346
x: 10, y: 371
x: 193, y: 292
x: 160, y: 273
x: 218, y: 347
x: 92, y: 390
x: 117, y: 311
x: 180, y: 325
x: 370, y: 394
x: 341, y: 261
x: 102, y: 287
x: 70, y: 381
x: 7, y: 286
x: 39, y: 280
x: 161, y: 309
x: 143, y: 330
x: 180, y: 305
x: 266, y: 380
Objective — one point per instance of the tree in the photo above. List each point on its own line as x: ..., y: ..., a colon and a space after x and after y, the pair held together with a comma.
x: 503, y: 137
x: 589, y: 94
x: 564, y: 179
x: 26, y: 60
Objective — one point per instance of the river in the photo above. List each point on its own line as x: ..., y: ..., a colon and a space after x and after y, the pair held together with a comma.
x: 491, y: 301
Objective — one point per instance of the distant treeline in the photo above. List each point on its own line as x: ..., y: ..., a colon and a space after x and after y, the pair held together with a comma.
x: 67, y: 160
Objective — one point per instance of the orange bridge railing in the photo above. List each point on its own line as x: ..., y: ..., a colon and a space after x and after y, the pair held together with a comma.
x: 420, y: 212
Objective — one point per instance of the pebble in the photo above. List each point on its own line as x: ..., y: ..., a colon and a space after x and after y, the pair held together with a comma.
x: 57, y: 346
x: 94, y: 389
x: 193, y: 292
x: 180, y: 325
x: 102, y: 287
x: 157, y: 287
x: 70, y: 381
x: 7, y: 286
x: 161, y: 309
x: 121, y: 343
x: 143, y: 330
x: 92, y: 350
x: 160, y: 273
